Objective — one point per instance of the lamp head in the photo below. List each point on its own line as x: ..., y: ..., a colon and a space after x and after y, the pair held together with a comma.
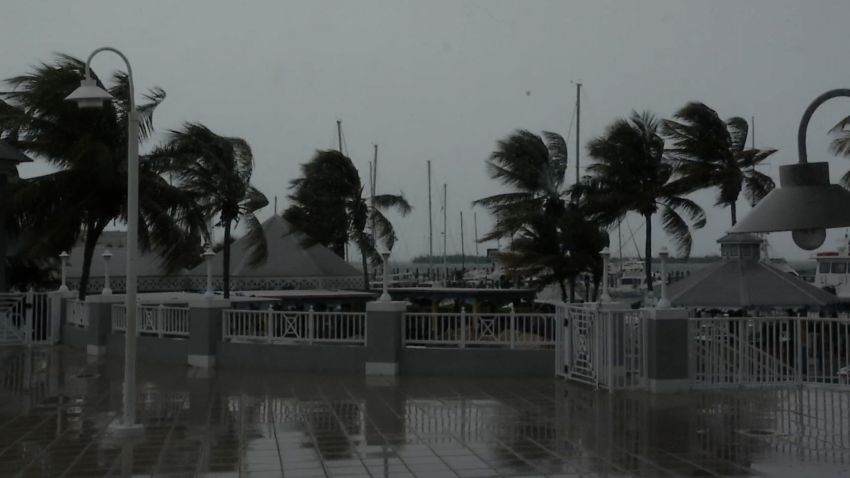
x: 107, y: 254
x: 805, y: 204
x: 89, y: 94
x: 664, y: 253
x: 64, y: 255
x: 605, y: 253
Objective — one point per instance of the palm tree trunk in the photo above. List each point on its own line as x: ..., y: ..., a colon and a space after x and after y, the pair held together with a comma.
x: 365, y: 270
x: 572, y: 289
x: 93, y: 230
x: 225, y: 270
x: 648, y: 252
x: 733, y: 208
x: 563, y: 287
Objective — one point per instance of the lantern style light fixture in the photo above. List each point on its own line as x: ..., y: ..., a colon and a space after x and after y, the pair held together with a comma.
x: 805, y: 203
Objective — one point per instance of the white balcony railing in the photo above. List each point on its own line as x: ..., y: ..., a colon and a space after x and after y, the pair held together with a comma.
x: 297, y: 327
x: 160, y: 321
x: 502, y: 330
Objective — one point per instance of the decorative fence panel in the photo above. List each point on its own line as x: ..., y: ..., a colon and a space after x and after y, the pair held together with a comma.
x: 160, y: 321
x: 296, y: 327
x: 502, y: 330
x: 77, y: 314
x: 603, y: 347
x: 27, y: 319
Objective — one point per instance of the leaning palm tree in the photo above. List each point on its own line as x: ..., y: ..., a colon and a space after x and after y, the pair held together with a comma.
x: 88, y: 149
x: 632, y: 175
x: 216, y: 171
x: 329, y: 208
x: 709, y: 152
x: 550, y: 235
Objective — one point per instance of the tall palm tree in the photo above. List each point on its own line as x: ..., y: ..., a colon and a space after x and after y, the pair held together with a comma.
x: 709, y: 152
x: 550, y: 235
x: 89, y: 150
x: 328, y: 206
x: 216, y: 170
x: 633, y: 175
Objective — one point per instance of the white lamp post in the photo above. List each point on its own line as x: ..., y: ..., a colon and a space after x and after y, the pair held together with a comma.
x: 664, y: 302
x: 90, y: 95
x: 208, y: 256
x: 385, y: 296
x: 63, y: 257
x: 606, y: 255
x: 107, y: 290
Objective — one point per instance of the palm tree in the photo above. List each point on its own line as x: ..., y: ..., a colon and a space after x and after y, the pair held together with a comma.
x: 840, y: 144
x: 551, y: 236
x: 329, y: 208
x: 216, y: 170
x: 89, y: 150
x: 633, y: 175
x: 709, y: 152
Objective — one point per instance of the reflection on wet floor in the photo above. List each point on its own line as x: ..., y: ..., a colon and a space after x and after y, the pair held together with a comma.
x: 55, y: 406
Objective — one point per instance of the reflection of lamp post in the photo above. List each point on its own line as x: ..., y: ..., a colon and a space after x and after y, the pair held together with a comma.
x: 806, y: 203
x: 90, y: 95
x: 663, y: 302
x: 208, y: 256
x: 63, y: 257
x: 107, y: 290
x: 606, y: 255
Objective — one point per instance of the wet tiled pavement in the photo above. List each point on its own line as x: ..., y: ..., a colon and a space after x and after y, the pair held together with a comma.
x: 55, y: 408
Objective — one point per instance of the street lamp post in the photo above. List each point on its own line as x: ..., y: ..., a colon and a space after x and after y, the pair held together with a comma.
x: 805, y: 203
x: 663, y: 302
x: 107, y: 289
x: 385, y: 296
x: 63, y: 257
x: 606, y: 255
x: 208, y: 256
x: 90, y: 95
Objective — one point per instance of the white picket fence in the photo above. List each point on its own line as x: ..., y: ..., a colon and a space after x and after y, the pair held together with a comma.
x: 502, y: 330
x: 296, y: 327
x: 77, y: 313
x: 160, y: 320
x: 762, y: 351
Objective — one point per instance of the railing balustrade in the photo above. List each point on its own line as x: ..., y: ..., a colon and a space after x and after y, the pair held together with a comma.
x: 502, y: 330
x: 160, y: 321
x: 294, y: 327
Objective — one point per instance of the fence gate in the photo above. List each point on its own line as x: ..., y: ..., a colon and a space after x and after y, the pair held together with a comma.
x: 27, y: 319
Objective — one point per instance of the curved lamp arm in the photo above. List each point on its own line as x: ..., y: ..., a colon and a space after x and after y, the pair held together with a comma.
x: 126, y: 62
x: 807, y: 115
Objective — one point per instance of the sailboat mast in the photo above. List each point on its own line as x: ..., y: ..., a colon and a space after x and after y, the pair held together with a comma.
x: 339, y: 135
x: 462, y: 252
x: 475, y: 230
x: 430, y: 227
x: 578, y: 129
x: 445, y: 206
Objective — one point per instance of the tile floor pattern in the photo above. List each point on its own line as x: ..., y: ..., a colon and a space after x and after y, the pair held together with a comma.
x: 56, y: 405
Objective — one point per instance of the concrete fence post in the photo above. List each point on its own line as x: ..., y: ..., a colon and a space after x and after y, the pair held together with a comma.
x: 668, y: 345
x: 463, y: 325
x: 205, y: 331
x: 383, y: 337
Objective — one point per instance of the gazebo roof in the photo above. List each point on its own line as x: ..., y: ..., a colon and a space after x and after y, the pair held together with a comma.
x: 746, y: 283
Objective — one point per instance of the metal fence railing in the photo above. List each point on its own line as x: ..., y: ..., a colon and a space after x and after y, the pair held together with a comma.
x: 294, y: 327
x: 761, y: 351
x: 160, y: 321
x: 502, y: 330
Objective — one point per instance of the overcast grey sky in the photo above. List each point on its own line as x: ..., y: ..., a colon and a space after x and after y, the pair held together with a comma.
x: 443, y: 80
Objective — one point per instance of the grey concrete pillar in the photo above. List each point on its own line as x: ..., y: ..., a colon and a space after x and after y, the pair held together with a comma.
x: 383, y: 337
x: 58, y: 313
x: 205, y: 318
x: 667, y: 350
x: 99, y: 310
